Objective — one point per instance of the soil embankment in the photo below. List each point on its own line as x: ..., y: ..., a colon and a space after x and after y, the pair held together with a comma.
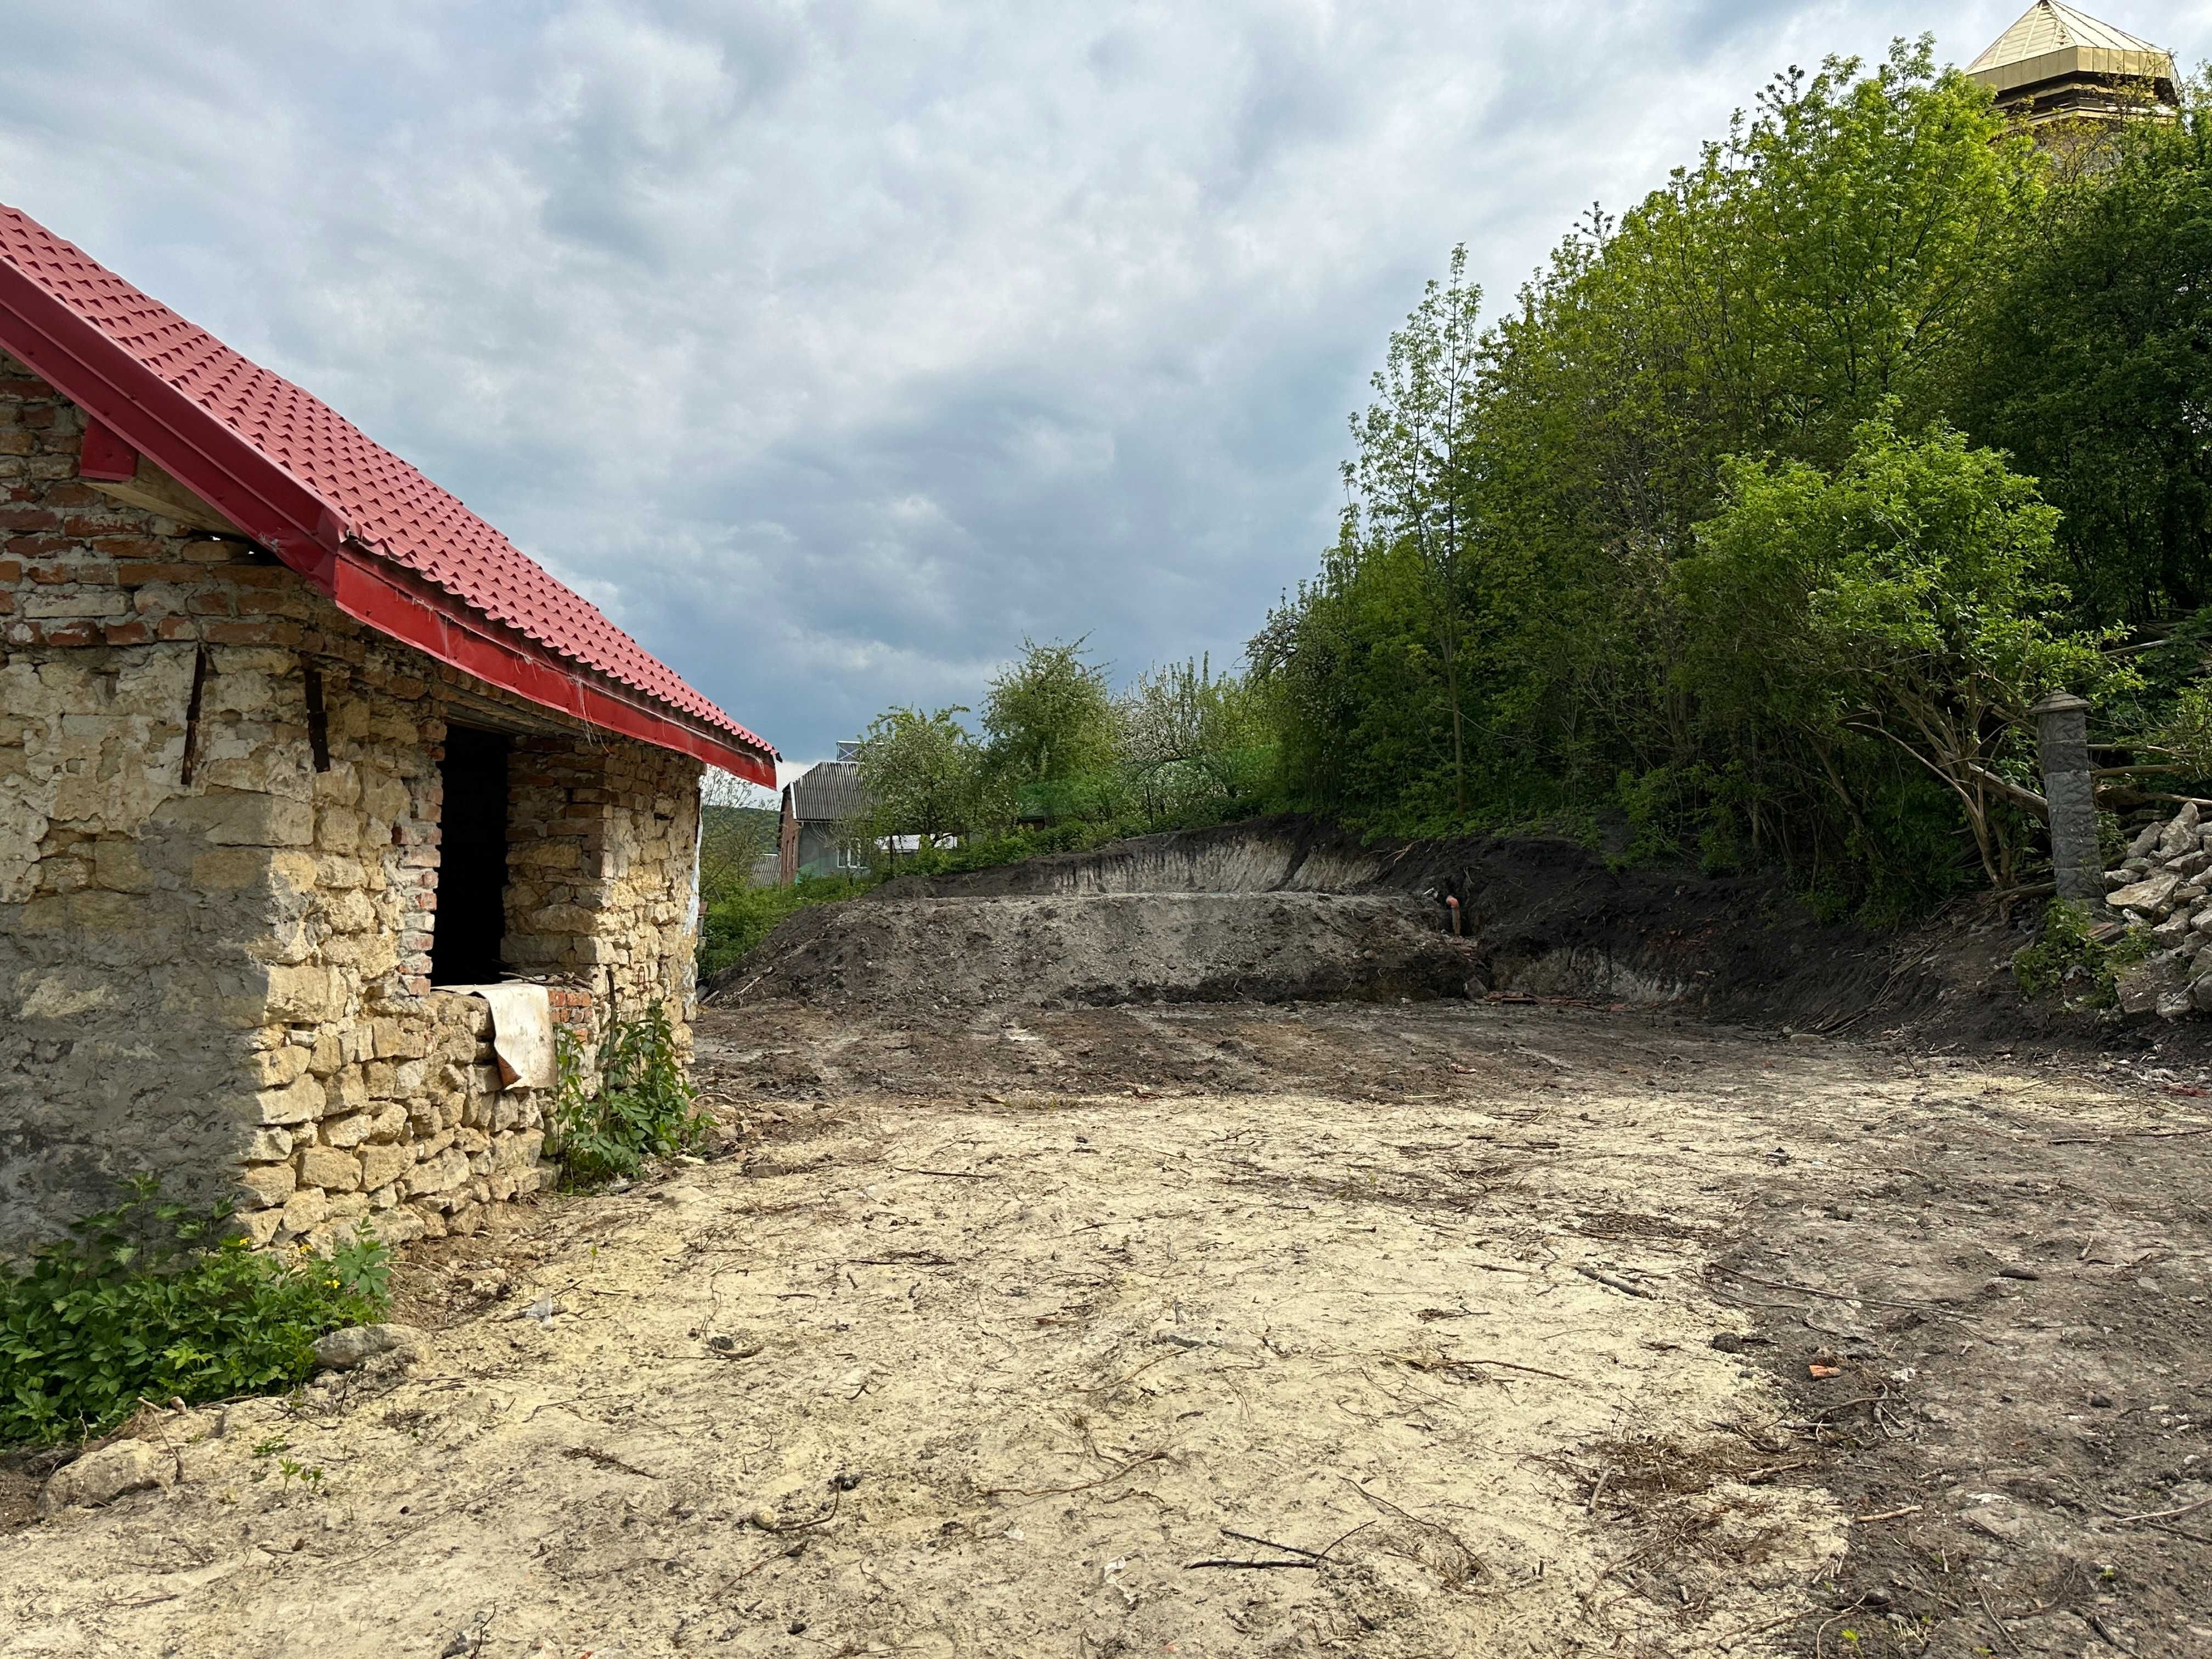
x: 1103, y: 948
x: 1284, y: 909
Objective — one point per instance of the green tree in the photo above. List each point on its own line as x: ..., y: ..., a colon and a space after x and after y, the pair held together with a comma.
x: 923, y: 774
x: 2091, y: 361
x: 1907, y: 598
x: 1810, y: 266
x: 1048, y: 718
x: 733, y: 832
x: 1362, y: 713
x: 1497, y: 636
x: 1406, y: 481
x: 1194, y: 743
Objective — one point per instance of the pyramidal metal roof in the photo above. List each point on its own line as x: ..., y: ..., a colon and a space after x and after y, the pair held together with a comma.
x: 2072, y: 40
x: 390, y: 546
x: 830, y: 792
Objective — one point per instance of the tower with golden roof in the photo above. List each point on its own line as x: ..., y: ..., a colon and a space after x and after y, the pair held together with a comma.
x: 2059, y: 65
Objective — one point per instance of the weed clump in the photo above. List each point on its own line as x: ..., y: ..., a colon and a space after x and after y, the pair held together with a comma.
x: 645, y: 1106
x: 154, y: 1301
x: 2069, y: 959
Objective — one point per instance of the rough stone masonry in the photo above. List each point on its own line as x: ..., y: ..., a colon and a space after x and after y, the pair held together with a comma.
x: 2163, y: 888
x: 221, y: 816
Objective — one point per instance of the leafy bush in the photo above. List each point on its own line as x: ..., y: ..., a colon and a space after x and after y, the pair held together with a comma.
x: 154, y: 1301
x: 2069, y: 955
x: 1031, y: 841
x: 645, y: 1106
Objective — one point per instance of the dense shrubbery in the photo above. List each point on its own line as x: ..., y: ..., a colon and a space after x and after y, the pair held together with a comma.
x: 1060, y: 763
x: 1755, y: 525
x: 1746, y: 535
x: 153, y: 1301
x: 736, y: 918
x: 1059, y: 760
x: 2069, y: 960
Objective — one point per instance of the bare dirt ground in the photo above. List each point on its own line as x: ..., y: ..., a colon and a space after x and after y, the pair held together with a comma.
x: 1387, y: 1329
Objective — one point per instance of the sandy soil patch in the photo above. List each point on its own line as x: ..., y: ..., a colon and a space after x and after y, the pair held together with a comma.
x: 1010, y: 1336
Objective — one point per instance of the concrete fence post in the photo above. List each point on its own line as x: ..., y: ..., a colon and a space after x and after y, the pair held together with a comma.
x: 2061, y: 741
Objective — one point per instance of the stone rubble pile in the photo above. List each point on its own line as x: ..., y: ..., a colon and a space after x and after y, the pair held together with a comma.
x: 2164, y: 887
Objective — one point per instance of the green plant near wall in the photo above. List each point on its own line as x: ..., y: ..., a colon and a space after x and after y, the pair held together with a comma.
x: 156, y: 1301
x: 645, y: 1106
x: 2071, y: 961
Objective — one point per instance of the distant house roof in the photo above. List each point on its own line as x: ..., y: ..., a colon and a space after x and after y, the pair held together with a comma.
x: 2050, y: 41
x: 390, y: 547
x: 828, y: 793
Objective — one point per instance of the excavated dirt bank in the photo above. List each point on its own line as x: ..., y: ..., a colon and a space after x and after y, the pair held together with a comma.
x: 1100, y: 948
x: 1287, y: 909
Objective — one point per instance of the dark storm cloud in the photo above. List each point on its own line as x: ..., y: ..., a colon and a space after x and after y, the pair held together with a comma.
x: 833, y: 348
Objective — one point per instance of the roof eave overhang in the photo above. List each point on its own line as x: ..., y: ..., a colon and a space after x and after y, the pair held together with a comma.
x: 308, y: 534
x: 154, y: 417
x: 2065, y: 62
x: 396, y: 603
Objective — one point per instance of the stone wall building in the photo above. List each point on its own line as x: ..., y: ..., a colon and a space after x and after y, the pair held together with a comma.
x: 289, y: 739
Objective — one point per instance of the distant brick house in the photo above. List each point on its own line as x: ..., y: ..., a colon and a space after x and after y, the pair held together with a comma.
x: 818, y: 806
x: 290, y: 739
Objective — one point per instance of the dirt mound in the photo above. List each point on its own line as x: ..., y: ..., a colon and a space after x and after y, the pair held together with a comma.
x: 1104, y: 947
x: 1289, y: 908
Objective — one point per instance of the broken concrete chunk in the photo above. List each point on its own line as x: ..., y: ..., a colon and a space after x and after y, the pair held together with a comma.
x: 102, y: 1476
x: 2179, y: 836
x: 2152, y: 897
x: 356, y: 1345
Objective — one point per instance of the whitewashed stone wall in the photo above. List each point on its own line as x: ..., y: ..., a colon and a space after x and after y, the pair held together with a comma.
x: 225, y: 978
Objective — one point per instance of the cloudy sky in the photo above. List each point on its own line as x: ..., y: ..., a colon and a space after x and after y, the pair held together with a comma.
x: 833, y: 348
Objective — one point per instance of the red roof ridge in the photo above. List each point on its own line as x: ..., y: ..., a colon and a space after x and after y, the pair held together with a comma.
x: 390, y: 546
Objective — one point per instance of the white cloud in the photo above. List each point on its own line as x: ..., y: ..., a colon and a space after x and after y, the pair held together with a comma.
x: 832, y: 348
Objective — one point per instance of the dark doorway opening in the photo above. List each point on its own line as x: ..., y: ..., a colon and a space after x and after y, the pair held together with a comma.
x: 471, y: 914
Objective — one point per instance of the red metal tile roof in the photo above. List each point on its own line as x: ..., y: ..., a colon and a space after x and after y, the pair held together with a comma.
x: 379, y: 502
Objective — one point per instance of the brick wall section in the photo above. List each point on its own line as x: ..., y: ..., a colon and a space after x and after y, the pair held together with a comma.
x: 227, y: 979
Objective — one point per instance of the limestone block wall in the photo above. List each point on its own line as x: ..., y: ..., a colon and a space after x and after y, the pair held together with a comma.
x: 220, y: 824
x: 601, y: 844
